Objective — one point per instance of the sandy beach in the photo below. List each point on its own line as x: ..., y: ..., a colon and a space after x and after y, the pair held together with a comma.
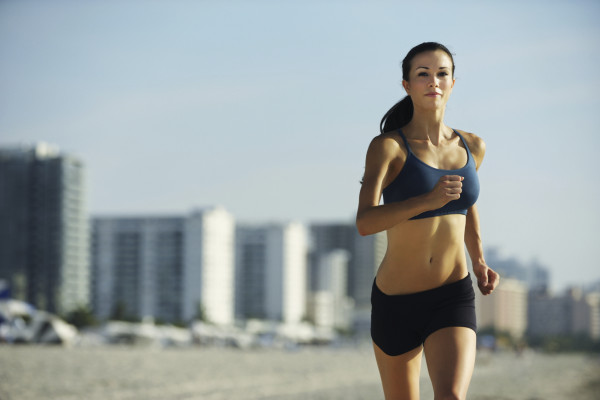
x: 131, y: 373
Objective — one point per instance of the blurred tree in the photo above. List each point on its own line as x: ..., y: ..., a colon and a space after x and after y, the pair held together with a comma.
x: 81, y: 317
x: 201, y: 313
x: 120, y: 313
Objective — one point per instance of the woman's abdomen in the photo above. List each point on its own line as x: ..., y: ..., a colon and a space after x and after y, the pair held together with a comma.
x: 423, y: 254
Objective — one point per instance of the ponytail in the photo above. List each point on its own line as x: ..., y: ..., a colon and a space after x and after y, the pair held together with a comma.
x: 399, y: 115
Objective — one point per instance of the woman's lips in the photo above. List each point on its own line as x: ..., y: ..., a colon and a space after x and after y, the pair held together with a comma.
x: 433, y: 94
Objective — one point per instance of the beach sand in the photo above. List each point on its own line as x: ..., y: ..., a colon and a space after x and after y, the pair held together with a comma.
x: 119, y: 373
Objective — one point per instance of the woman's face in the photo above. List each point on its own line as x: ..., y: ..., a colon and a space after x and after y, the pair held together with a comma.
x: 430, y: 79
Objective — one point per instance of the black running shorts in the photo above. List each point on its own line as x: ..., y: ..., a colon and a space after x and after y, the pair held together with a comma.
x: 400, y: 323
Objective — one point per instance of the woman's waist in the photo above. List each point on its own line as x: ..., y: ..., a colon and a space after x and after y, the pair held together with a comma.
x: 424, y: 254
x: 425, y: 249
x: 414, y: 272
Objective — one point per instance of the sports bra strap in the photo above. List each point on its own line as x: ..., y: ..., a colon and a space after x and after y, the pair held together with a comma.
x: 404, y: 139
x: 464, y: 142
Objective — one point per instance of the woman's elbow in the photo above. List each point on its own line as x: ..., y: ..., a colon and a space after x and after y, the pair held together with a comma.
x: 363, y: 227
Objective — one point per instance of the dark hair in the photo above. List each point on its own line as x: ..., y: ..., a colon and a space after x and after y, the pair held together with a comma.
x: 402, y: 112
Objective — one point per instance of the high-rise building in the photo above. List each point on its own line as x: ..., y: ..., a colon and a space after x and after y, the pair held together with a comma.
x: 547, y: 315
x: 538, y: 277
x: 593, y: 301
x: 137, y: 267
x: 271, y: 268
x: 170, y: 268
x: 209, y: 266
x: 504, y: 310
x: 329, y: 306
x: 573, y: 313
x: 534, y: 275
x: 44, y: 235
x: 327, y: 237
x: 365, y: 255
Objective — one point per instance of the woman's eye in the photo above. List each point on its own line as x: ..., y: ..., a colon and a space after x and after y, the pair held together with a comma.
x: 422, y: 74
x: 442, y: 74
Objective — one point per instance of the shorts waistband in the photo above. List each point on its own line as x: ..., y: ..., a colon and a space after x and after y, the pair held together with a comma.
x: 438, y: 291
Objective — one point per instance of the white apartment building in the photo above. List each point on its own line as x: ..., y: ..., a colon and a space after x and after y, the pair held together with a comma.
x: 574, y: 312
x: 505, y: 309
x: 329, y: 305
x: 593, y: 301
x: 365, y: 255
x: 170, y: 268
x: 271, y: 266
x: 209, y: 266
x: 137, y: 267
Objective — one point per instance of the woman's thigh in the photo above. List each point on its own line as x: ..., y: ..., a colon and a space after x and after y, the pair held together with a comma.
x: 450, y: 357
x: 399, y: 374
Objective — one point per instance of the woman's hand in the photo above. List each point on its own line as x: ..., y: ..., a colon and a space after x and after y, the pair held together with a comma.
x: 487, y: 278
x: 447, y: 188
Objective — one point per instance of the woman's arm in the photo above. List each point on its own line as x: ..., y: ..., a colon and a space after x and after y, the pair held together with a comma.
x: 384, y: 161
x: 487, y: 279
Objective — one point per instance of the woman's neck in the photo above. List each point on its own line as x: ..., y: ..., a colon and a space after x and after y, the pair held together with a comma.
x: 427, y: 125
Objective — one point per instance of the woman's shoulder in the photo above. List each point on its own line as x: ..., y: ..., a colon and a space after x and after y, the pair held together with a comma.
x: 476, y: 146
x: 386, y: 148
x: 475, y: 143
x: 388, y: 142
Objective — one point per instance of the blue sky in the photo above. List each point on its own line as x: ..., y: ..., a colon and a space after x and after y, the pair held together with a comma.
x: 268, y: 107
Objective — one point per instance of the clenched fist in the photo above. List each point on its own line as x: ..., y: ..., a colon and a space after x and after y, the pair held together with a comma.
x: 447, y: 188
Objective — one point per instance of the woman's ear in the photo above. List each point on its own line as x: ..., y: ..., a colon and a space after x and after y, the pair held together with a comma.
x: 406, y: 86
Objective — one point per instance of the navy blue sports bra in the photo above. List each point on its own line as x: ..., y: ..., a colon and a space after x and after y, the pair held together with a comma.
x: 418, y: 178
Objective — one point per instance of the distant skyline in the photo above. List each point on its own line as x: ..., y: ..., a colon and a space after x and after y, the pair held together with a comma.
x: 267, y: 108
